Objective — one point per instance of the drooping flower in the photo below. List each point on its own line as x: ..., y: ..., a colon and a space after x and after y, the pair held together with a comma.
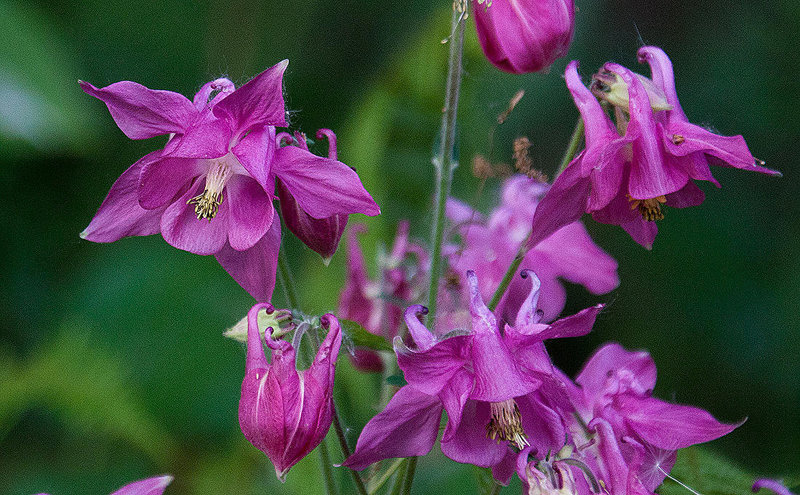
x: 487, y: 380
x: 521, y: 36
x: 284, y: 412
x: 637, y: 435
x: 149, y: 486
x: 377, y: 305
x: 490, y: 245
x: 649, y: 159
x: 210, y: 189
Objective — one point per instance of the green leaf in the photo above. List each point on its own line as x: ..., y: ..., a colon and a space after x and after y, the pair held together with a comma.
x: 362, y: 338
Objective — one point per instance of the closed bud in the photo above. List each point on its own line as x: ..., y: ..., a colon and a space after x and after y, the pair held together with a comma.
x: 524, y: 36
x: 610, y: 86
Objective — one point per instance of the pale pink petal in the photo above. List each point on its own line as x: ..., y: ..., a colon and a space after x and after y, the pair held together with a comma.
x: 255, y: 269
x: 407, y: 427
x: 321, y: 186
x: 142, y: 113
x: 259, y: 102
x: 250, y: 212
x: 182, y: 229
x: 223, y: 85
x: 150, y: 486
x: 120, y: 214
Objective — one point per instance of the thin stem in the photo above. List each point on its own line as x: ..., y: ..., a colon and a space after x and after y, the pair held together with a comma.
x: 509, y: 276
x: 400, y: 479
x: 377, y: 483
x: 337, y: 426
x: 285, y: 277
x: 325, y: 466
x: 497, y: 489
x: 572, y: 147
x: 410, y: 470
x: 444, y: 161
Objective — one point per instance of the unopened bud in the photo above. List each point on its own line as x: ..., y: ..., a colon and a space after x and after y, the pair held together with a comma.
x: 610, y: 87
x: 280, y: 320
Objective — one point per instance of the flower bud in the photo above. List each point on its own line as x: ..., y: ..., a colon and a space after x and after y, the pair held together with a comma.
x: 524, y: 35
x: 284, y: 412
x: 320, y: 234
x: 610, y: 86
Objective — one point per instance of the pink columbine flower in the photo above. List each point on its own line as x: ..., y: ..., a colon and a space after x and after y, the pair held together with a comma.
x: 637, y: 435
x: 484, y: 378
x: 521, y: 36
x: 149, y: 486
x: 210, y: 189
x: 490, y: 245
x: 284, y: 412
x: 377, y: 305
x: 649, y: 159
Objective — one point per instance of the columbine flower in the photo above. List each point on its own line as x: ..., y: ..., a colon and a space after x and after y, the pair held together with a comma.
x: 283, y: 412
x: 377, y: 305
x: 629, y: 172
x: 637, y: 435
x: 490, y: 245
x: 149, y: 486
x: 484, y: 379
x: 521, y: 36
x: 210, y: 190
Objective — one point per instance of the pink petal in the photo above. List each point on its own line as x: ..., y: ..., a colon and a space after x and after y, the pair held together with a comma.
x: 670, y: 426
x: 469, y: 443
x: 407, y: 427
x: 598, y: 127
x: 459, y: 212
x: 563, y: 204
x: 142, y: 113
x: 255, y: 152
x: 690, y: 195
x: 208, y: 137
x: 182, y: 229
x: 572, y: 326
x: 454, y: 396
x: 432, y: 369
x: 255, y: 268
x: 612, y: 357
x: 321, y: 186
x: 150, y: 486
x: 259, y: 102
x: 161, y: 180
x: 773, y: 485
x: 120, y: 214
x: 223, y: 85
x: 663, y: 77
x: 250, y: 212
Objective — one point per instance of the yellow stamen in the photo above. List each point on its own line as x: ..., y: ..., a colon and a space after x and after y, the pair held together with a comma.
x: 506, y: 424
x: 206, y: 205
x: 650, y: 209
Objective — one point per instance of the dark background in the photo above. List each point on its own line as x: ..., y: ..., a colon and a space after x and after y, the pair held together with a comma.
x: 112, y: 363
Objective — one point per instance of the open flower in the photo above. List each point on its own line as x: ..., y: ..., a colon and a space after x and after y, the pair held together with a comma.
x: 210, y: 189
x: 521, y: 36
x: 490, y: 245
x: 484, y: 379
x: 649, y: 159
x: 284, y: 412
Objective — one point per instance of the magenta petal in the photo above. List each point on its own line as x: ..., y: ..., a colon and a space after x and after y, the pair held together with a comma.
x: 223, y: 85
x: 469, y: 443
x: 670, y: 426
x: 612, y: 357
x: 572, y: 326
x: 255, y: 152
x: 149, y: 486
x: 459, y: 212
x: 321, y: 186
x: 183, y: 230
x: 504, y: 470
x: 255, y: 268
x: 161, y: 180
x: 206, y: 138
x: 690, y: 195
x: 430, y: 370
x: 120, y: 214
x: 142, y: 113
x: 250, y: 212
x: 454, y: 397
x: 773, y: 485
x: 663, y: 77
x: 407, y: 427
x: 612, y: 459
x: 597, y: 124
x: 563, y: 204
x: 259, y: 102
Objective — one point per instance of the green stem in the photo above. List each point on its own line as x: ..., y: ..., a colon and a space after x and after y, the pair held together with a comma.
x: 337, y: 426
x: 400, y: 479
x: 410, y: 470
x: 444, y: 161
x: 497, y: 489
x: 572, y: 147
x: 325, y: 466
x: 377, y: 483
x: 285, y: 277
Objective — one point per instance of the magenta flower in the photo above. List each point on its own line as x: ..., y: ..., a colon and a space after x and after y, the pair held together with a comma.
x: 377, y: 305
x: 489, y: 247
x: 149, y: 486
x: 628, y: 172
x: 521, y: 36
x: 485, y: 379
x: 284, y: 412
x: 638, y: 435
x: 210, y: 190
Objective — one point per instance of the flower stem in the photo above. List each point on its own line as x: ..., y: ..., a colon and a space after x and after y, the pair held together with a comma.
x: 376, y: 484
x: 572, y: 147
x: 411, y: 468
x: 444, y: 162
x: 569, y: 154
x: 325, y: 466
x: 497, y: 488
x: 285, y: 276
x: 399, y: 479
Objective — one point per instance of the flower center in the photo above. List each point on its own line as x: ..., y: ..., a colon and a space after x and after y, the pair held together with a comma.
x: 207, y: 204
x: 650, y: 209
x: 506, y: 424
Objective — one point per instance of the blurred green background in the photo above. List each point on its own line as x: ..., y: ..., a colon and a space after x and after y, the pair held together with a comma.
x: 112, y: 362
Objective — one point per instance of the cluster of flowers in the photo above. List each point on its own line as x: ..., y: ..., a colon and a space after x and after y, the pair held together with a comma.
x: 211, y: 190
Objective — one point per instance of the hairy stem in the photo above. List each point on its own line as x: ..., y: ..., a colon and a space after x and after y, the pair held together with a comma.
x: 444, y: 161
x: 337, y: 426
x: 572, y: 147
